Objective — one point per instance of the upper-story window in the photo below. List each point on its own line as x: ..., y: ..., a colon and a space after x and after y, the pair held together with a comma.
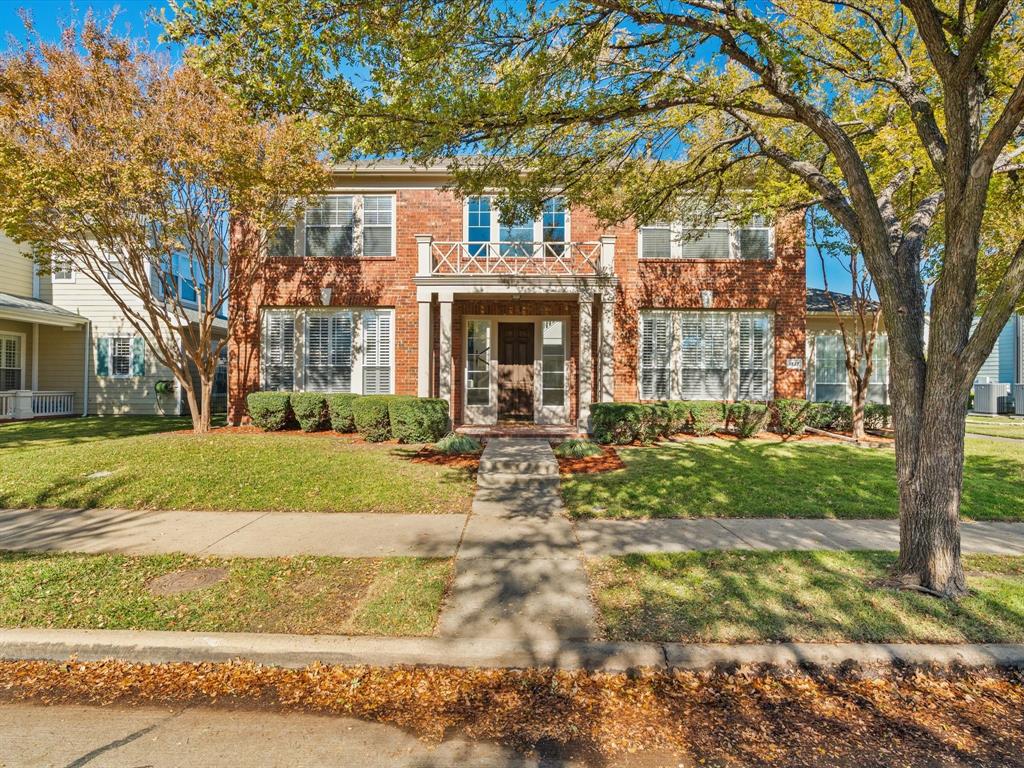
x: 61, y: 270
x: 340, y: 226
x: 485, y: 227
x: 754, y: 240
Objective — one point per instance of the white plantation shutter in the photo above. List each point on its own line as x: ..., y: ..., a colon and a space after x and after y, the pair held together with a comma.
x: 655, y: 356
x: 656, y: 242
x: 10, y: 362
x: 279, y: 351
x: 755, y: 356
x: 705, y: 355
x: 378, y: 349
x: 329, y: 352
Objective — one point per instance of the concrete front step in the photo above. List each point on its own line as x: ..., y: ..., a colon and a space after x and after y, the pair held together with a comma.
x: 517, y: 456
x: 520, y: 468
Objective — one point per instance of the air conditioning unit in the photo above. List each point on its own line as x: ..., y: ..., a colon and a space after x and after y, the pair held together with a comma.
x: 1018, y: 399
x: 987, y: 397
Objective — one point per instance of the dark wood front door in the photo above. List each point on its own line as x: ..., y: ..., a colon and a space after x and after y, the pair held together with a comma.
x: 515, y: 371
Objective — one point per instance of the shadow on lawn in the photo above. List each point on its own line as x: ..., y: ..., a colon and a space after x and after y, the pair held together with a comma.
x: 48, y: 433
x: 737, y: 479
x: 806, y: 596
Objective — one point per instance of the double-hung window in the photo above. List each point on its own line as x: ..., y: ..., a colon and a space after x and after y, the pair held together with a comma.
x: 718, y: 242
x: 878, y: 384
x: 120, y: 356
x: 61, y: 270
x: 339, y: 226
x: 378, y: 225
x: 329, y: 351
x: 279, y: 350
x: 705, y: 355
x: 330, y: 226
x: 377, y: 351
x: 478, y: 362
x: 830, y: 376
x: 485, y: 229
x: 10, y: 362
x: 553, y: 226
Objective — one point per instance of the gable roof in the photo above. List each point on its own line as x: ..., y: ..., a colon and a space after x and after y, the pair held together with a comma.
x: 818, y: 301
x: 35, y: 311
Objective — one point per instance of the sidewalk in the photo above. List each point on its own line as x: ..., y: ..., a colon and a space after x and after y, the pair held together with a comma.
x: 517, y: 522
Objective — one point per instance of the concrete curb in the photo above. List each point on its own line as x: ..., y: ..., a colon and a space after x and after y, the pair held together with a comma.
x: 296, y: 651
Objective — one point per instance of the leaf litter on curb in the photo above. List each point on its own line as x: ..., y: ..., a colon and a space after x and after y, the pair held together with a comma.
x: 744, y: 717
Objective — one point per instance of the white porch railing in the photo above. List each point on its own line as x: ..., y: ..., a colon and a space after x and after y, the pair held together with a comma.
x: 518, y: 258
x: 26, y: 404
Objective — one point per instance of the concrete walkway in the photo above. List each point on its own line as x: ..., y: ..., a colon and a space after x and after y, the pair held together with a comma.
x: 518, y: 572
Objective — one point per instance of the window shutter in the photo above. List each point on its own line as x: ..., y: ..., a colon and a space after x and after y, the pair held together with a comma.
x: 657, y: 242
x: 377, y: 344
x: 279, y: 351
x: 755, y: 243
x: 341, y: 350
x: 655, y: 356
x: 103, y: 357
x: 755, y: 356
x: 705, y: 356
x: 138, y: 356
x: 318, y: 352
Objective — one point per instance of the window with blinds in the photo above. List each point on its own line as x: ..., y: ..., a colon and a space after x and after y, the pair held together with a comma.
x: 378, y: 225
x: 10, y: 362
x: 718, y: 242
x: 830, y: 377
x: 478, y: 362
x: 656, y: 242
x: 878, y: 384
x: 710, y: 243
x: 655, y: 356
x: 704, y: 368
x: 553, y: 362
x: 330, y: 226
x: 279, y: 351
x: 329, y: 352
x: 755, y: 357
x: 377, y: 351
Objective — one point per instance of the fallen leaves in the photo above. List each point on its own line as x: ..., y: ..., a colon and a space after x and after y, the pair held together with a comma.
x: 746, y: 717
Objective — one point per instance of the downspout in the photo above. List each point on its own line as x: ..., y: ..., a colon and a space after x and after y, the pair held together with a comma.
x: 85, y: 369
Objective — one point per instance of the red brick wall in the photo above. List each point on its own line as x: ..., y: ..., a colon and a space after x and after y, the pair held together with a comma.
x: 777, y: 285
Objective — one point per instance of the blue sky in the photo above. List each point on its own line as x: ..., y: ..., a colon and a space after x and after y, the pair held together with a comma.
x: 134, y: 18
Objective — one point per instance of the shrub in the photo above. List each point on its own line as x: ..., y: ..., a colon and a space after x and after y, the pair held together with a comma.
x: 456, y: 445
x: 370, y: 414
x: 831, y: 417
x: 270, y: 411
x: 340, y: 408
x: 418, y: 419
x: 310, y: 410
x: 748, y: 418
x: 576, y: 448
x: 706, y: 416
x: 789, y: 417
x: 618, y: 423
x: 877, y: 416
x: 654, y: 422
x: 678, y: 417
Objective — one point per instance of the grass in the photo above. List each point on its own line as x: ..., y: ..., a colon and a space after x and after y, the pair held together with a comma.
x: 300, y: 595
x: 718, y: 478
x: 996, y: 427
x: 54, y: 464
x: 736, y: 597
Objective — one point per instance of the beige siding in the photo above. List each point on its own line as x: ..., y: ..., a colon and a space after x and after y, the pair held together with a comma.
x: 109, y: 395
x: 61, y: 353
x: 15, y: 268
x: 24, y: 330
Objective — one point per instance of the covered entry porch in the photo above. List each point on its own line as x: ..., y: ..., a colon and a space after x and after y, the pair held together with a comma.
x: 516, y: 355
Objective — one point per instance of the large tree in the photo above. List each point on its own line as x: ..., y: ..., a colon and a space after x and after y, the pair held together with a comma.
x: 896, y: 118
x: 130, y: 172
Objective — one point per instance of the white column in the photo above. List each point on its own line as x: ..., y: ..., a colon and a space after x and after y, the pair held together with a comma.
x: 586, y: 364
x: 23, y: 404
x: 607, y: 346
x: 608, y: 254
x: 424, y: 351
x: 445, y: 358
x: 35, y: 356
x: 423, y: 256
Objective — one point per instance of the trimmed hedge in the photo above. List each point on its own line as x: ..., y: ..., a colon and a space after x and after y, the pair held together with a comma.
x: 418, y: 419
x: 789, y: 417
x: 877, y: 416
x: 678, y: 417
x: 340, y: 407
x: 310, y: 409
x: 270, y: 411
x: 831, y: 417
x: 370, y: 413
x: 748, y: 418
x: 706, y: 416
x: 617, y: 423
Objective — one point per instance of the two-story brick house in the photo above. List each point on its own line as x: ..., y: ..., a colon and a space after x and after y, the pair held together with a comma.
x: 394, y: 284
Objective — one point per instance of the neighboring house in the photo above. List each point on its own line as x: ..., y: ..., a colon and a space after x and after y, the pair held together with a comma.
x: 394, y: 285
x: 75, y: 353
x: 1005, y: 364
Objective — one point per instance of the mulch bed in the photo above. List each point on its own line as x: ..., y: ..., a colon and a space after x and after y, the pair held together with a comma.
x: 743, y: 718
x: 461, y: 461
x: 608, y: 460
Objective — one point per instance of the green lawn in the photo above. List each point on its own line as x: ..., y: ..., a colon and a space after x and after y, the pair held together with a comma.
x: 996, y: 427
x: 55, y: 463
x: 753, y: 478
x: 745, y: 596
x: 302, y: 595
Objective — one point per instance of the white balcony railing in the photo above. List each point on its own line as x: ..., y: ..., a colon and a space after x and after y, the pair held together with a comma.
x: 26, y: 404
x: 574, y: 259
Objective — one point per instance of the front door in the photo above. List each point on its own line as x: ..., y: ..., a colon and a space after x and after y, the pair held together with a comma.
x: 515, y: 371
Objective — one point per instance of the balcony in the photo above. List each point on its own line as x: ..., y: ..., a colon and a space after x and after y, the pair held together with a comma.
x: 26, y: 404
x: 516, y: 259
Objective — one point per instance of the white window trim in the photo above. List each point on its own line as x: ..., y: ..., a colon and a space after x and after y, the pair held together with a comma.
x: 676, y: 237
x: 21, y: 352
x: 733, y: 352
x: 812, y: 373
x: 110, y: 357
x: 64, y: 280
x: 299, y: 229
x: 496, y: 223
x: 299, y: 344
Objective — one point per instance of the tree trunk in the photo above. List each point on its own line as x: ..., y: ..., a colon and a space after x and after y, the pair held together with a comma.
x: 930, y: 498
x: 857, y: 406
x: 194, y: 407
x: 206, y: 405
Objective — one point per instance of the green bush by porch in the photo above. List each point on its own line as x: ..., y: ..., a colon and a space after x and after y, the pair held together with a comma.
x: 718, y: 478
